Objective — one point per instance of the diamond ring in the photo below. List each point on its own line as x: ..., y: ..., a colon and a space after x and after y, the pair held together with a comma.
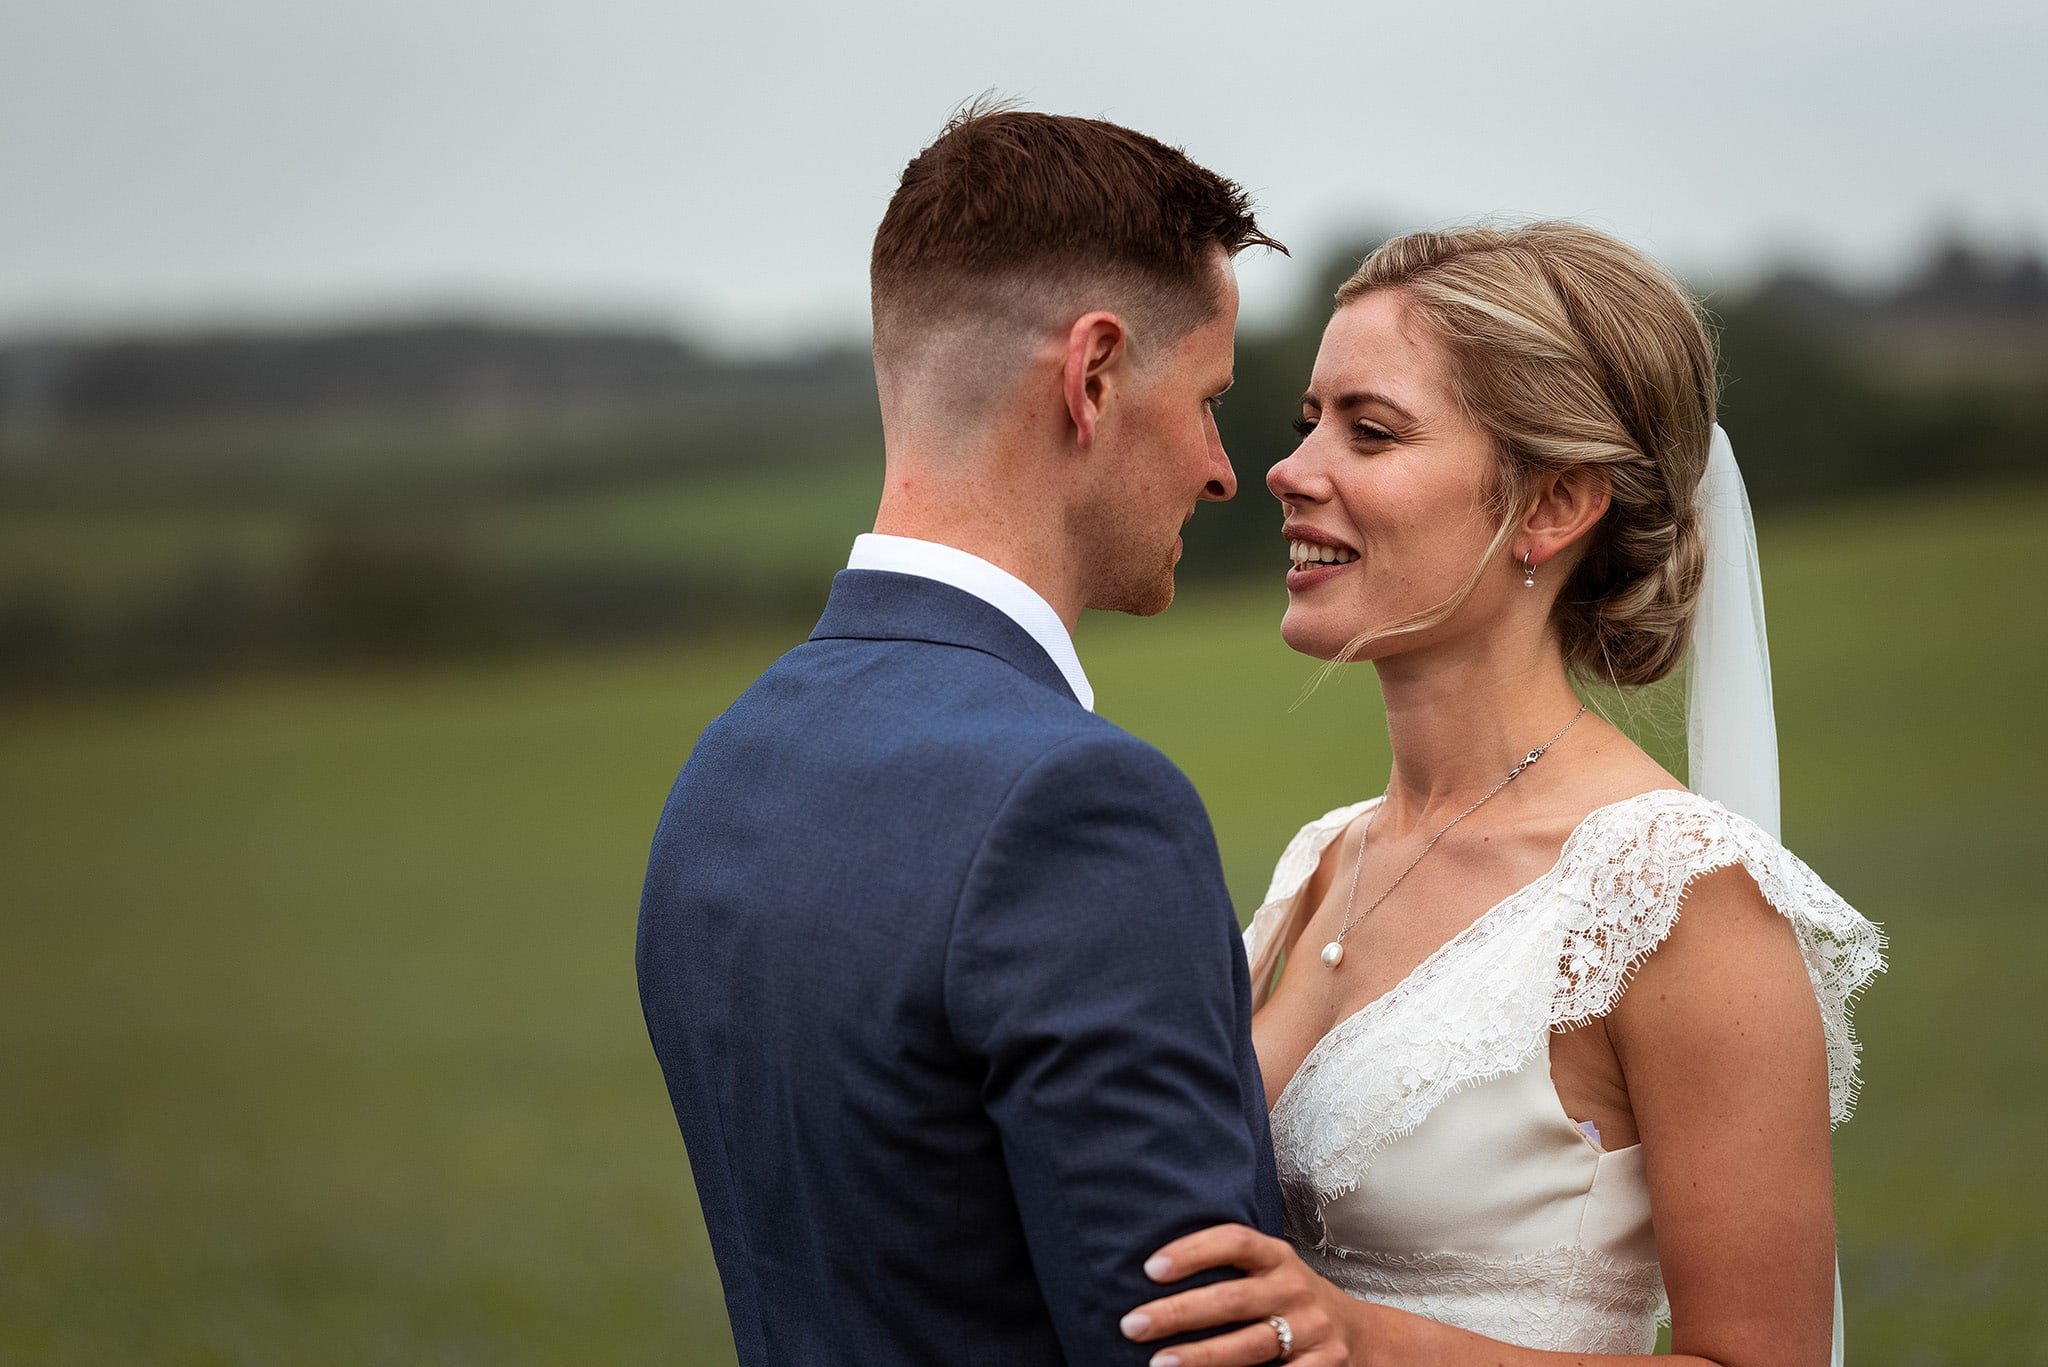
x: 1285, y: 1333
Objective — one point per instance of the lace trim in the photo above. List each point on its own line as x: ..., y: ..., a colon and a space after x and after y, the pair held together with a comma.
x: 1624, y: 906
x: 1569, y: 1298
x: 1551, y: 955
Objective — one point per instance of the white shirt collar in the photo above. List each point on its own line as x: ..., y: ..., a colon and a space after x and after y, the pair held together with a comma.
x: 997, y: 587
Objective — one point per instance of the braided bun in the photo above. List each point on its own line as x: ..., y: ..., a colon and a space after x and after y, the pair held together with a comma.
x: 1574, y: 349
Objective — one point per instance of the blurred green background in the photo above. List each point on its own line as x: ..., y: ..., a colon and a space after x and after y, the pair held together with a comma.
x: 342, y: 675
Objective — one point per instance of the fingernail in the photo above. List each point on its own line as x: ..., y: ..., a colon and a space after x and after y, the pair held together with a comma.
x: 1166, y: 1360
x: 1159, y: 1267
x: 1136, y: 1323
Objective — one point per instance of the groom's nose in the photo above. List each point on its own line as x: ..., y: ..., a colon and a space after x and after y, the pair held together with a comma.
x: 1222, y: 485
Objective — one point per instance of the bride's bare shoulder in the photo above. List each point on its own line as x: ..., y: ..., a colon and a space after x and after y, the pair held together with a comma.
x: 1608, y: 770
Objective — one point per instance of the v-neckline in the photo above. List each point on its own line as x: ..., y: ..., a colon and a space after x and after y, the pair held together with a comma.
x: 1442, y: 951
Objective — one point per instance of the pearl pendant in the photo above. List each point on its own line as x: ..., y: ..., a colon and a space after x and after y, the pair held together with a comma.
x: 1333, y: 953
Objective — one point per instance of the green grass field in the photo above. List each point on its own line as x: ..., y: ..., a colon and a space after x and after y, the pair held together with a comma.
x: 321, y: 1043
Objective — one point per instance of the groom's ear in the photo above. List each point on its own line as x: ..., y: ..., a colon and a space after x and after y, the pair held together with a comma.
x: 1567, y: 505
x: 1097, y: 344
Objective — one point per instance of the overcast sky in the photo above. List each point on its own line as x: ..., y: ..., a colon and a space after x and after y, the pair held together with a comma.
x: 723, y: 169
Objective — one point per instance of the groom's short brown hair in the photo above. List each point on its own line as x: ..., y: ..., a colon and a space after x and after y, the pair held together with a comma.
x: 1010, y: 214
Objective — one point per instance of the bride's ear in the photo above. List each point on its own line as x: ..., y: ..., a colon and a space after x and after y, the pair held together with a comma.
x: 1566, y: 507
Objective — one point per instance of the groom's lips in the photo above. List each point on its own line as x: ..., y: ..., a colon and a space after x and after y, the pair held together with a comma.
x: 1307, y: 576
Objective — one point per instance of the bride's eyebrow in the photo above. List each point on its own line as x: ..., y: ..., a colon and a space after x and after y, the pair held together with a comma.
x: 1359, y: 399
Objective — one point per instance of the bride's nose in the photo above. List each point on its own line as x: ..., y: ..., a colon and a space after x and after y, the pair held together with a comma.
x: 1293, y: 479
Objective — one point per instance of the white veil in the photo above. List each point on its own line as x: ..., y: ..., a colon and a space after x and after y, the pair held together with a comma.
x: 1731, y: 726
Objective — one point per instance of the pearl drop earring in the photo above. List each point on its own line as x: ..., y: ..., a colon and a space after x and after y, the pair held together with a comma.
x: 1528, y: 569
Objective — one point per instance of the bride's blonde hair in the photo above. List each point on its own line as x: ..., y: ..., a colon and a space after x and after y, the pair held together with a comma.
x: 1574, y: 349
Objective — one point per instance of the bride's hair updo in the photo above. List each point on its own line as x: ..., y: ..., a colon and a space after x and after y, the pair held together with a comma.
x: 1574, y: 349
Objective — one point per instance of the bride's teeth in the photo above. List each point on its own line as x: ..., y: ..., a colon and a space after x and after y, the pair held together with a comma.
x: 1304, y: 553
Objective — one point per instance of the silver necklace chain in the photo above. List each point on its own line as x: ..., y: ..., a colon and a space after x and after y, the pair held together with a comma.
x: 1333, y: 952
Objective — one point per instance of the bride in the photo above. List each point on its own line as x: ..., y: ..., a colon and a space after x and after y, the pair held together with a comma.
x: 1553, y: 1044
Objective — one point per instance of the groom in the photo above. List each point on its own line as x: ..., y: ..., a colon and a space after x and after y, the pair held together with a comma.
x: 938, y: 964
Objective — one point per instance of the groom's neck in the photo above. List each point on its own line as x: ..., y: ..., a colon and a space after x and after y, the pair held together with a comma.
x: 999, y: 514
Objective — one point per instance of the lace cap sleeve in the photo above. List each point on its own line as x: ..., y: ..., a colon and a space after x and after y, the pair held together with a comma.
x: 1623, y: 880
x: 1265, y: 937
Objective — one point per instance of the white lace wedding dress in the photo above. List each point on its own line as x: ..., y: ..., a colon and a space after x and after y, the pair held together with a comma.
x: 1425, y: 1158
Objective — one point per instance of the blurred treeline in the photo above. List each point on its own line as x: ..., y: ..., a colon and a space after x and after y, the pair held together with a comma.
x: 177, y: 507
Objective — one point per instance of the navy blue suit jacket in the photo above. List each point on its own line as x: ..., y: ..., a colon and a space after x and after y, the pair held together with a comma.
x: 946, y: 986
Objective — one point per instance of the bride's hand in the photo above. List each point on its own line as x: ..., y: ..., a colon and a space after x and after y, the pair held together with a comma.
x: 1323, y: 1321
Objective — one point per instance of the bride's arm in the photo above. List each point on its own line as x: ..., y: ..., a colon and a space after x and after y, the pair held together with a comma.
x: 1719, y: 1040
